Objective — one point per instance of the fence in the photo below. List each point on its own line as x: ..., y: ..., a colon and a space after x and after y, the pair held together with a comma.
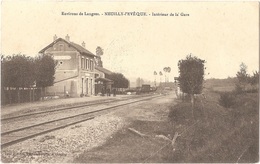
x: 19, y: 95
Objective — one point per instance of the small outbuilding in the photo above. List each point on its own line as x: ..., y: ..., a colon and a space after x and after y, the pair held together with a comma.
x: 103, y: 85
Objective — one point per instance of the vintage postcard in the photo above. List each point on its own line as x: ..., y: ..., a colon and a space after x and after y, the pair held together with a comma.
x: 129, y: 81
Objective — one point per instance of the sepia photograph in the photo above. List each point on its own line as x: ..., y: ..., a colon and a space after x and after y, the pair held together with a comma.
x: 129, y: 81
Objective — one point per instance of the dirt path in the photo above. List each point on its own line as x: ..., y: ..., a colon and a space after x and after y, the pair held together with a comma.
x: 154, y: 110
x: 150, y: 118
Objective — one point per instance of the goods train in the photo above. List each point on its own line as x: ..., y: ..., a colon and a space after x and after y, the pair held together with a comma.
x: 146, y: 88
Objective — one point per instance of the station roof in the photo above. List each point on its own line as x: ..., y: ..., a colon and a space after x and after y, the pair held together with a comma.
x: 74, y: 45
x: 103, y: 79
x: 104, y: 70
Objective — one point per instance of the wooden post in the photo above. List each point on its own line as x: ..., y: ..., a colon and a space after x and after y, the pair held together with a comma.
x: 33, y: 95
x: 10, y: 96
x: 192, y: 105
x: 41, y: 93
x: 23, y: 95
x: 138, y: 133
x: 30, y: 95
x: 18, y: 94
x: 174, y: 140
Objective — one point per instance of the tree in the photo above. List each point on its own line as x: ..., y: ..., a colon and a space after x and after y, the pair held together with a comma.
x: 243, y: 77
x: 6, y: 69
x: 17, y: 72
x: 119, y: 80
x: 155, y: 73
x: 165, y: 70
x: 45, y: 70
x: 99, y: 53
x: 254, y: 80
x: 20, y: 71
x: 191, y: 76
x: 168, y: 71
x: 160, y: 73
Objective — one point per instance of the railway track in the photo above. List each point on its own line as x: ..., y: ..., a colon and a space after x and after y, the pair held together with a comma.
x: 20, y: 134
x: 3, y: 119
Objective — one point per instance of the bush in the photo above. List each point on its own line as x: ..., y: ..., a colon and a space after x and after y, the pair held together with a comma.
x: 238, y: 89
x: 227, y: 99
x: 185, y: 97
x: 180, y: 112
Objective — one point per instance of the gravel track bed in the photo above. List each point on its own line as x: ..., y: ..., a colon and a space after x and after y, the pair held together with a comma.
x: 65, y: 144
x: 45, y: 109
x: 31, y: 120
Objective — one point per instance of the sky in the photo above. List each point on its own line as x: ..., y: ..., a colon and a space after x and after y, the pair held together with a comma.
x: 222, y: 33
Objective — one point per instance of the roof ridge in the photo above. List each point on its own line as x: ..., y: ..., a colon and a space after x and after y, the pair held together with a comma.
x: 75, y: 45
x: 102, y: 69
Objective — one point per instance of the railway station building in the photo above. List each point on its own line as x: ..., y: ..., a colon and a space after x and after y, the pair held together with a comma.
x: 75, y: 71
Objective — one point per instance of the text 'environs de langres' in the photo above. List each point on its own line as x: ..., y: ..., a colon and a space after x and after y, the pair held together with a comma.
x: 80, y: 14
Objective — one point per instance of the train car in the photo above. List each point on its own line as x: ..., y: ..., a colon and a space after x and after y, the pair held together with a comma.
x: 146, y: 88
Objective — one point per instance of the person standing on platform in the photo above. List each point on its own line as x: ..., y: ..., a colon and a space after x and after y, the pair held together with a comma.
x: 114, y: 92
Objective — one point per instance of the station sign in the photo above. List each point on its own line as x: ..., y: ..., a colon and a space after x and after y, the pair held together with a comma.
x: 62, y: 57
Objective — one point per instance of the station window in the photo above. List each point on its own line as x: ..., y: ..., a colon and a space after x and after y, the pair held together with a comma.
x: 82, y: 62
x: 91, y: 65
x: 87, y: 64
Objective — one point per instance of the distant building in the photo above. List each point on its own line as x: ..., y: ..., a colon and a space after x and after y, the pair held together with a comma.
x: 75, y: 75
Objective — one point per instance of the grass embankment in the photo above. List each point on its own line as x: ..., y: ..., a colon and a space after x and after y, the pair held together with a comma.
x: 222, y: 135
x: 219, y: 135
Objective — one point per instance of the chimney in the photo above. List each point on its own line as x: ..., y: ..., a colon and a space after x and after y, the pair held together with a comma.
x: 54, y: 37
x: 83, y: 44
x: 67, y: 38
